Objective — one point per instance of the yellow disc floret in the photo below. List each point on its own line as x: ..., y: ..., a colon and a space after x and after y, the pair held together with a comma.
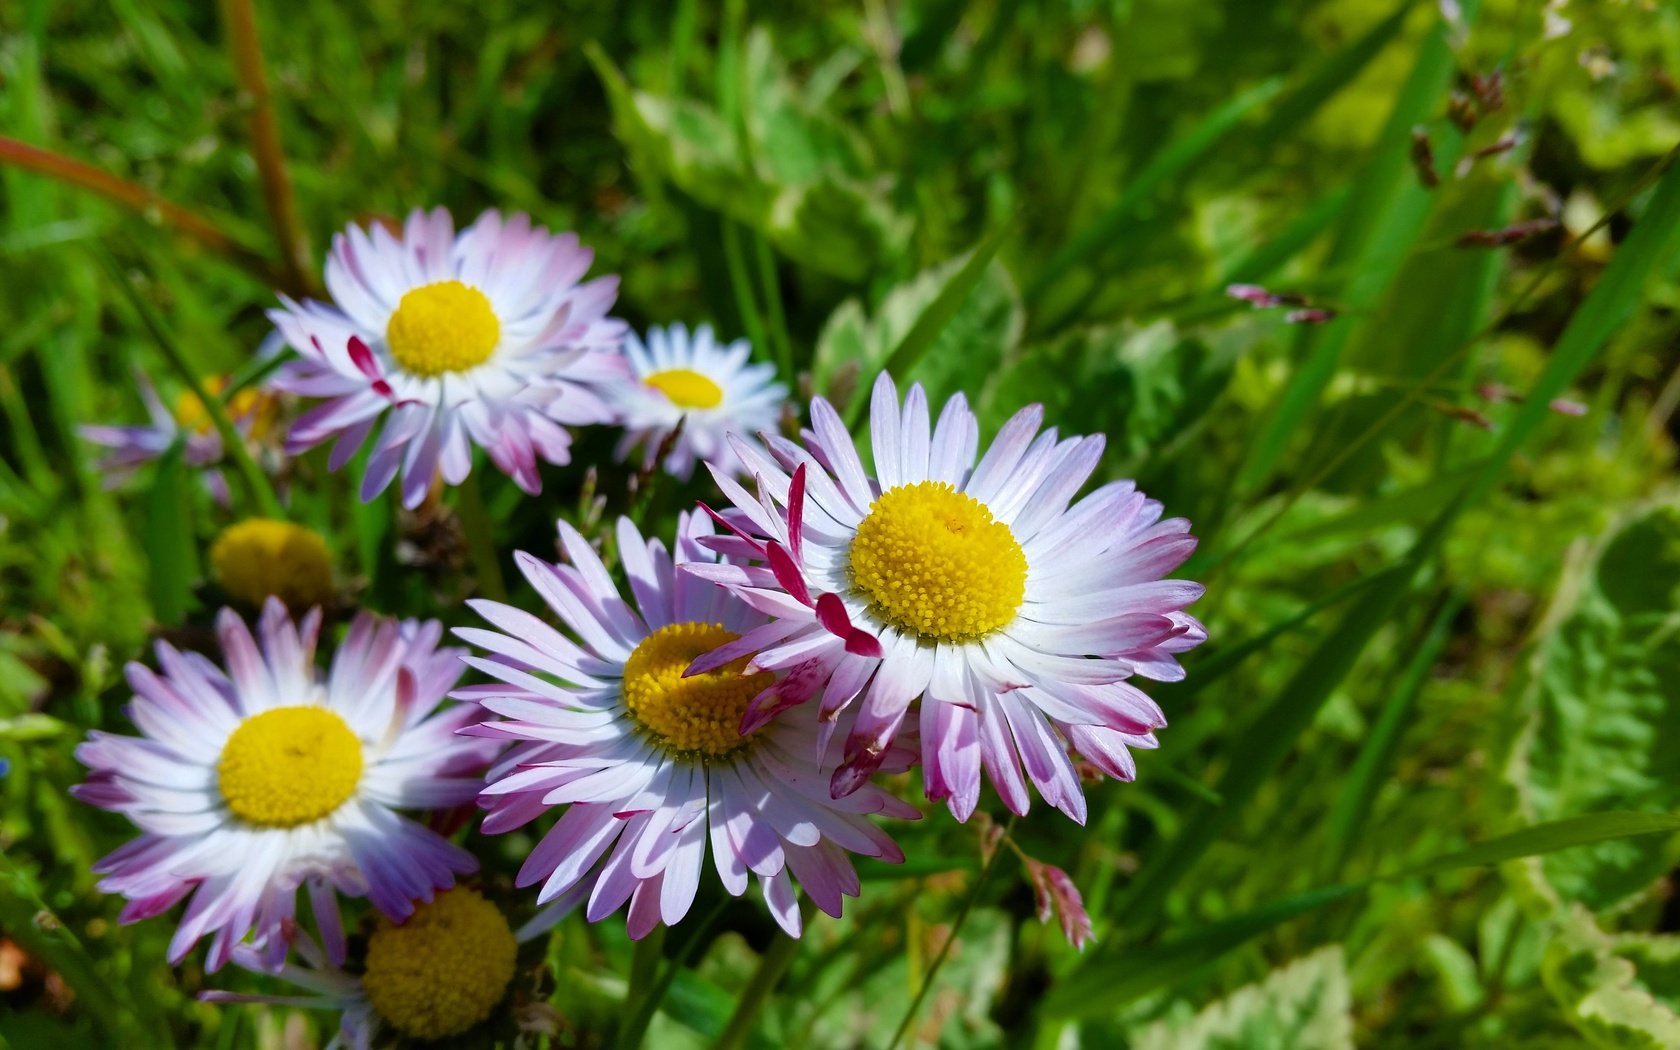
x: 289, y: 766
x: 445, y: 326
x: 258, y: 557
x: 250, y: 407
x: 700, y: 715
x: 444, y: 969
x: 686, y: 388
x: 933, y: 560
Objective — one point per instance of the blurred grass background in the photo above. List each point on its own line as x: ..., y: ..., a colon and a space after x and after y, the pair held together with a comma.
x: 1440, y: 607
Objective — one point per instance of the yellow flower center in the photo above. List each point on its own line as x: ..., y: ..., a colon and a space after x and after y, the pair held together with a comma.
x: 445, y: 326
x: 700, y: 715
x: 289, y: 766
x: 686, y: 388
x: 444, y: 969
x: 934, y: 561
x: 257, y: 557
x: 250, y: 403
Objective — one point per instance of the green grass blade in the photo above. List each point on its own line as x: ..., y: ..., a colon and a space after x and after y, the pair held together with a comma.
x: 1113, y: 976
x: 1329, y: 77
x: 1550, y: 837
x: 1266, y: 745
x: 1171, y: 162
x: 1652, y: 241
x: 1228, y: 658
x: 233, y: 444
x: 920, y: 337
x: 170, y: 540
x: 1376, y: 754
x: 1383, y: 221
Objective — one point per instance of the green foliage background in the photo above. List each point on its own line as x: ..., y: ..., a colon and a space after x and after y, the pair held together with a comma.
x: 1435, y: 618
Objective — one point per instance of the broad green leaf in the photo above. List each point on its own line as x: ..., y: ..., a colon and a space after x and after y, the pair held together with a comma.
x: 1305, y: 1005
x: 787, y: 140
x: 1600, y: 992
x: 804, y: 190
x: 948, y: 327
x: 1602, y: 708
x: 833, y: 225
x: 1139, y: 386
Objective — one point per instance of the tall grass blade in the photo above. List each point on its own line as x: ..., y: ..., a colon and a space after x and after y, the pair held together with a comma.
x: 1384, y: 218
x: 1115, y: 975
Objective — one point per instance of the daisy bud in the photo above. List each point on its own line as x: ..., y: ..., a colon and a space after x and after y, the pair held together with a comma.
x: 258, y: 557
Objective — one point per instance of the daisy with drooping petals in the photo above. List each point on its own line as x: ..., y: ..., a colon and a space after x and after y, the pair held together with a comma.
x: 251, y: 410
x: 249, y: 784
x: 653, y: 765
x: 707, y: 388
x: 1015, y: 618
x: 435, y: 975
x: 484, y: 338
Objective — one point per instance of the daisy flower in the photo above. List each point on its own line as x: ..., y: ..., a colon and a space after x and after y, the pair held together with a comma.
x: 1017, y: 619
x: 435, y: 975
x: 707, y: 388
x: 249, y: 784
x: 186, y: 421
x: 651, y: 764
x: 482, y: 337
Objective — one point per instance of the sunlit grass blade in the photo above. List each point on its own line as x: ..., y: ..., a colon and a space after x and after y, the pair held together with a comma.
x: 1411, y: 506
x: 1382, y: 743
x: 233, y: 443
x: 1265, y: 746
x: 1168, y: 164
x: 1651, y: 241
x: 1113, y: 976
x: 1329, y: 77
x: 1382, y: 221
x: 932, y: 320
x: 170, y: 540
x: 135, y: 198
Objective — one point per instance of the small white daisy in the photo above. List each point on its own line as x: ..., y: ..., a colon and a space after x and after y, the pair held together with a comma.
x: 708, y: 388
x: 484, y: 338
x: 249, y: 784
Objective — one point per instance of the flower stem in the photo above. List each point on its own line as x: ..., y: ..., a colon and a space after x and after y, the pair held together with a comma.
x: 475, y: 523
x: 240, y: 18
x: 950, y: 940
x: 772, y: 966
x: 641, y: 999
x: 639, y: 1009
